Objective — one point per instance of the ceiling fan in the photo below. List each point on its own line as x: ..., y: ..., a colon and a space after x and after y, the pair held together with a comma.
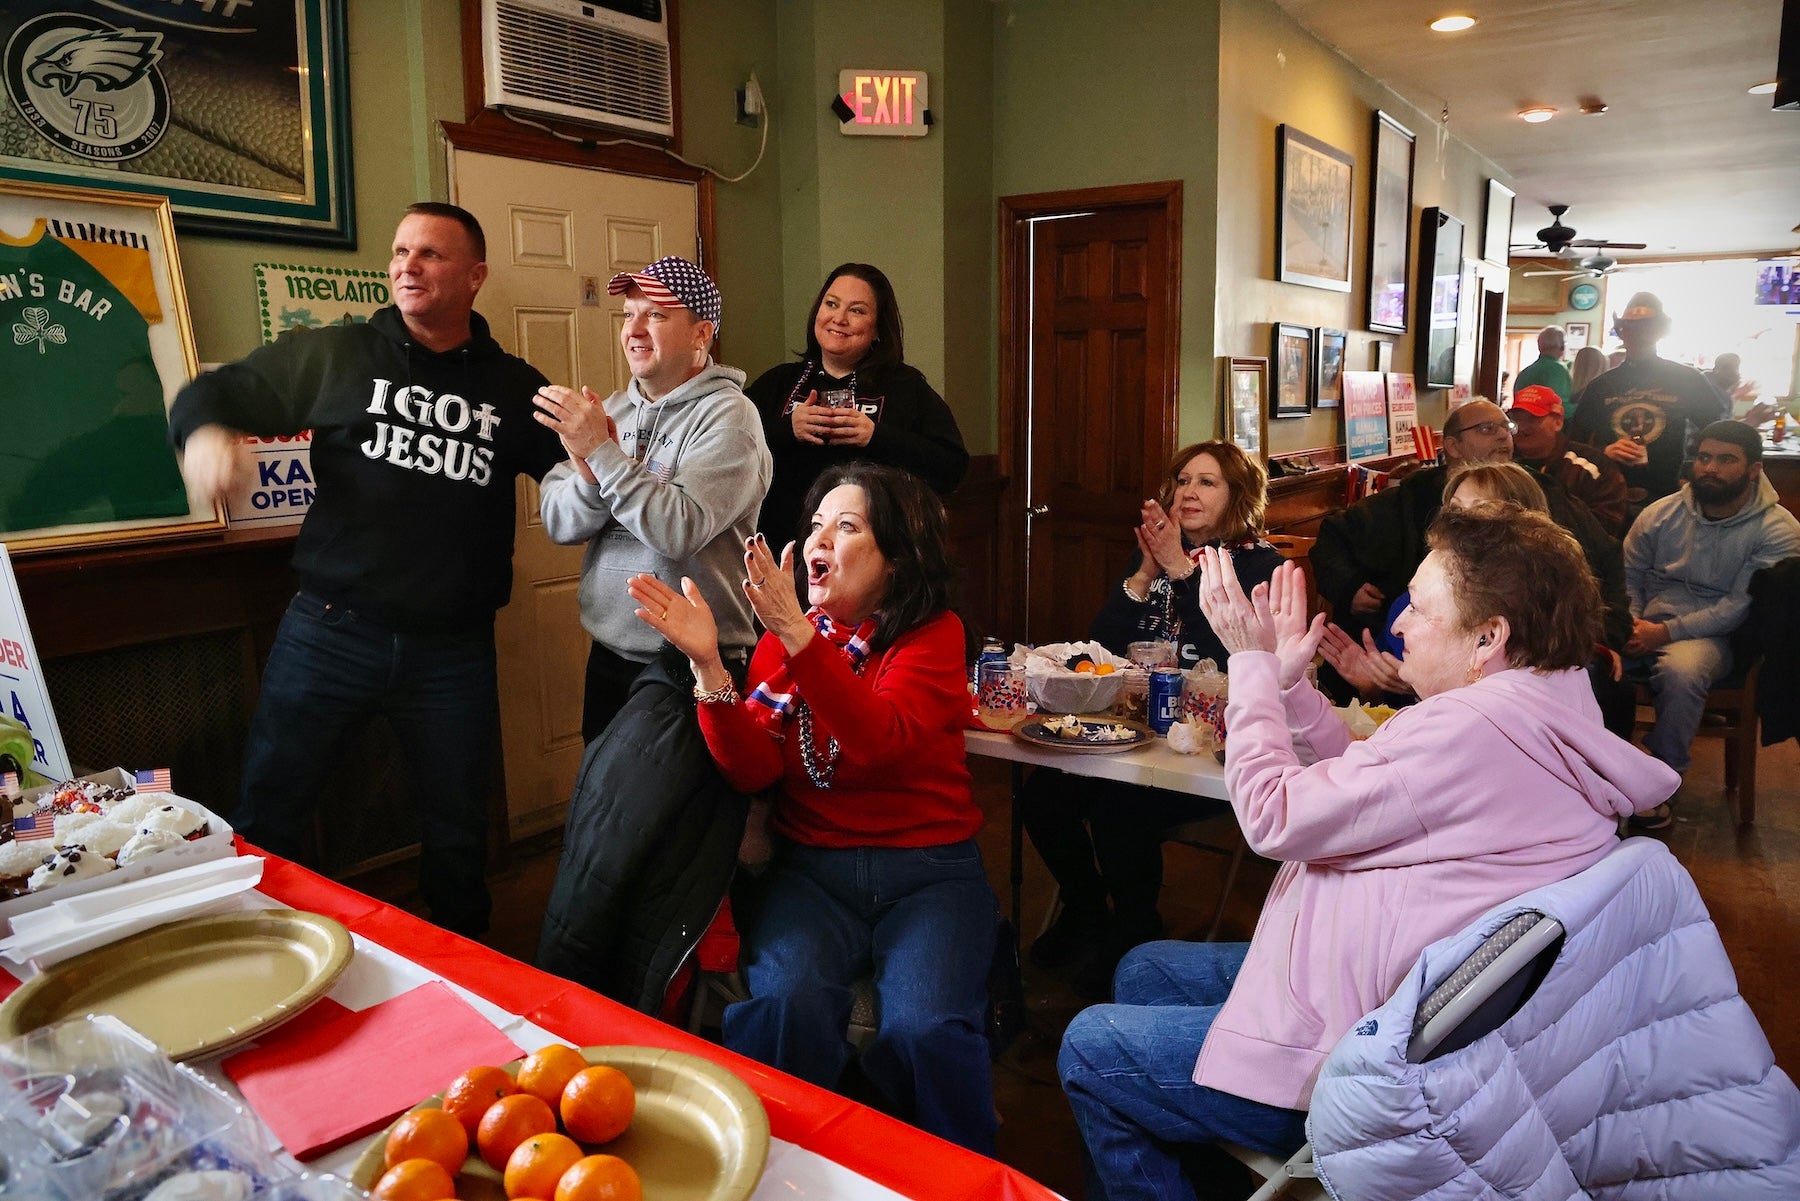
x: 1557, y: 237
x: 1591, y: 267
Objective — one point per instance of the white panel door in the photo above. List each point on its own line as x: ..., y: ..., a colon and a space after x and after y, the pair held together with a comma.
x: 555, y: 235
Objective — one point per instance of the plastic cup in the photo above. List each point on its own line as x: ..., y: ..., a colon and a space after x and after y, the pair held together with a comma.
x: 1000, y: 694
x: 838, y: 398
x: 1152, y: 654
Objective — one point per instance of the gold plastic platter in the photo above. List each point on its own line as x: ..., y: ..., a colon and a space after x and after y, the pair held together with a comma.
x: 1086, y: 742
x: 699, y: 1133
x: 198, y: 986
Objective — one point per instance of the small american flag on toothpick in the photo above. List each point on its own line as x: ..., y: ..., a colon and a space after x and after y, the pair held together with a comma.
x: 156, y: 780
x: 32, y: 829
x: 9, y: 783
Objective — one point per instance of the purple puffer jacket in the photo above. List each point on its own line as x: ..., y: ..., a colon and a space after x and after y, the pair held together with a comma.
x: 1635, y: 1071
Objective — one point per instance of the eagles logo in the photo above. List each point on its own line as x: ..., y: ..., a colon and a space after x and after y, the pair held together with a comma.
x: 111, y: 60
x: 89, y: 88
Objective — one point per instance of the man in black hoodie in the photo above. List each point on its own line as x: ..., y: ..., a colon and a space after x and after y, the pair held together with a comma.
x: 420, y: 422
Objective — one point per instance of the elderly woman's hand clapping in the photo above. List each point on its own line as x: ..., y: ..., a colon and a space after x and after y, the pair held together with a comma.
x: 1272, y: 618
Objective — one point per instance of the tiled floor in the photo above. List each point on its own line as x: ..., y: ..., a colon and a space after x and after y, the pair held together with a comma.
x: 1749, y: 876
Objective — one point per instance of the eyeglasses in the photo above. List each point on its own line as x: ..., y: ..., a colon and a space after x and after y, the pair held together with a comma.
x: 1486, y: 429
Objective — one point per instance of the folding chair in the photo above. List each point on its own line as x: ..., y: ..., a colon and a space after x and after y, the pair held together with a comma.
x: 1484, y: 991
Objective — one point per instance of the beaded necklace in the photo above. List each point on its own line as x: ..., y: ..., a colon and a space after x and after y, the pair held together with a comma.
x: 820, y: 769
x: 806, y: 373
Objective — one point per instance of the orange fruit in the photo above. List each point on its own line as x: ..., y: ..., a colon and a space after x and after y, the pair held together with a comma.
x: 547, y: 1070
x: 509, y: 1122
x: 536, y: 1164
x: 599, y: 1178
x: 429, y: 1134
x: 414, y: 1180
x: 470, y: 1094
x: 1084, y: 668
x: 597, y: 1104
x: 1104, y: 669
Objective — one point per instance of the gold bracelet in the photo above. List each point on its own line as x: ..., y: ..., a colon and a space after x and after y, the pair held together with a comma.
x: 1126, y: 584
x: 725, y: 694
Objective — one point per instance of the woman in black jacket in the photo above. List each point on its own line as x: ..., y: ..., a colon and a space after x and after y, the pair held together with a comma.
x: 1212, y: 494
x: 851, y: 396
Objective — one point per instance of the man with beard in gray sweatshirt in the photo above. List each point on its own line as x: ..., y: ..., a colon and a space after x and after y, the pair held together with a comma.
x: 664, y: 476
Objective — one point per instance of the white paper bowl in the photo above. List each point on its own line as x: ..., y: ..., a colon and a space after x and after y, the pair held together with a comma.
x: 1075, y: 692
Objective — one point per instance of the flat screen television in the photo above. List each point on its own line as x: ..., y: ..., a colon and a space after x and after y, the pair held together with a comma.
x: 1439, y: 296
x: 1778, y: 282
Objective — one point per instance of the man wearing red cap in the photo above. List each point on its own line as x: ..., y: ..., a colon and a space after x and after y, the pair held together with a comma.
x: 1642, y: 412
x: 1540, y: 444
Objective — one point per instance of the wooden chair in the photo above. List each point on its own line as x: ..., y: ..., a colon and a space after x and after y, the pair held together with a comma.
x: 1299, y: 548
x: 1730, y: 715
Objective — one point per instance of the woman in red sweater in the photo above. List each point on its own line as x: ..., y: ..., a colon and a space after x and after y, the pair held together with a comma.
x: 856, y: 710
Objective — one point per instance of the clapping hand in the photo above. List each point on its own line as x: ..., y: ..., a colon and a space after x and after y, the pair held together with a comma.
x: 579, y: 419
x: 1273, y: 618
x: 769, y: 583
x: 1160, y: 540
x: 215, y: 462
x: 1366, y: 668
x: 683, y: 618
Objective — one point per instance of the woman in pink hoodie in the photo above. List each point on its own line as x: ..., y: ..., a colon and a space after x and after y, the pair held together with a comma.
x: 1501, y: 779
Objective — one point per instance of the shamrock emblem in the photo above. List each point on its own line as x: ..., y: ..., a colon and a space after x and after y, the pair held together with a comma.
x: 37, y: 328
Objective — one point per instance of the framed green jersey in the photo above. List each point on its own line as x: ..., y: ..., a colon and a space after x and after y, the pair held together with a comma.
x: 94, y: 343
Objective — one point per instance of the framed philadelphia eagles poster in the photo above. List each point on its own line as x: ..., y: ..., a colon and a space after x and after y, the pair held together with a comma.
x: 94, y: 343
x: 238, y: 112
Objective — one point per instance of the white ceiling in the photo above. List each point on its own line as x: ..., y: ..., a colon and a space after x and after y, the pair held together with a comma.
x: 1684, y: 160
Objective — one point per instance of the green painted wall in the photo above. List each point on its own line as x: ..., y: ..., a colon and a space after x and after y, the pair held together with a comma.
x: 1127, y: 92
x: 1274, y: 72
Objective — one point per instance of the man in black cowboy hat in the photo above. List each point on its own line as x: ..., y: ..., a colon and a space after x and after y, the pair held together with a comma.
x: 1643, y: 412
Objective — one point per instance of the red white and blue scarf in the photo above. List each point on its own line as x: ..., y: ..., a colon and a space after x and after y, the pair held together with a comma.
x: 773, y: 701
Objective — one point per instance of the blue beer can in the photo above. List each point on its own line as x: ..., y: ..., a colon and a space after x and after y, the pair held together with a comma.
x: 1164, y: 704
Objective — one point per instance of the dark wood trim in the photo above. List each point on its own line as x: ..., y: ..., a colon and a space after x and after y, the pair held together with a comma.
x: 974, y: 510
x: 475, y: 87
x: 1015, y: 213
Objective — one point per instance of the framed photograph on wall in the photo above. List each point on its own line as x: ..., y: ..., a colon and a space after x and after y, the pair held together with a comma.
x: 1312, y: 211
x: 1496, y: 224
x: 238, y: 113
x: 1292, y: 356
x: 1578, y: 335
x: 1246, y: 405
x: 1328, y: 367
x: 1390, y: 224
x: 1439, y: 297
x: 1384, y: 356
x: 91, y: 292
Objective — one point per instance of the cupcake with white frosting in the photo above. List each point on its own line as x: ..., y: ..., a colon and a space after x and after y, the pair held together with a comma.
x: 67, y: 866
x: 174, y: 819
x: 145, y: 843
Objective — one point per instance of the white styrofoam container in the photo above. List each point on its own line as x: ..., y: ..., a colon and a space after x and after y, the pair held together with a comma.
x: 217, y: 843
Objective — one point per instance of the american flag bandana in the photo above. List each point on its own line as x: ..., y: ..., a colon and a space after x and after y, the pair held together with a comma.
x: 673, y: 282
x: 771, y: 701
x: 153, y: 781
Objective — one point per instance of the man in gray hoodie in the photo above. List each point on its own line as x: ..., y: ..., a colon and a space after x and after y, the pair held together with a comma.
x: 1688, y: 562
x: 665, y: 476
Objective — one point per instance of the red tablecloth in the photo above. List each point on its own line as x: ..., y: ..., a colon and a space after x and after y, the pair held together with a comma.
x: 886, y: 1151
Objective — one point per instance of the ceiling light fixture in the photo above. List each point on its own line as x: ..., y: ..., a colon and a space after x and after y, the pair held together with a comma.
x: 1593, y: 106
x: 1452, y: 24
x: 1763, y: 89
x: 1537, y: 114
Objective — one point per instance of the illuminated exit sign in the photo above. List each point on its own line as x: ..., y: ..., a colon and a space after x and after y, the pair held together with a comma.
x: 889, y: 104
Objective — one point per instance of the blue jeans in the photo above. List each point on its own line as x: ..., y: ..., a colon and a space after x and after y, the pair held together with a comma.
x: 330, y: 671
x: 1128, y: 1070
x: 1681, y: 674
x: 924, y: 921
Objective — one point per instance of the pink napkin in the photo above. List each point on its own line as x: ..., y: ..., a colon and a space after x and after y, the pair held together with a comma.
x: 321, y: 1081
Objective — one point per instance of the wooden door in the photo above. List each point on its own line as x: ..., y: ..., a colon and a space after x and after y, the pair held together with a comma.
x: 1101, y: 404
x: 555, y: 235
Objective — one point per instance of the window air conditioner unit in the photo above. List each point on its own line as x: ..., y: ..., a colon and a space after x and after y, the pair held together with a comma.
x: 604, y: 62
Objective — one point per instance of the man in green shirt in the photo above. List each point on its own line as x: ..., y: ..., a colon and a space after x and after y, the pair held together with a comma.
x: 1548, y: 371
